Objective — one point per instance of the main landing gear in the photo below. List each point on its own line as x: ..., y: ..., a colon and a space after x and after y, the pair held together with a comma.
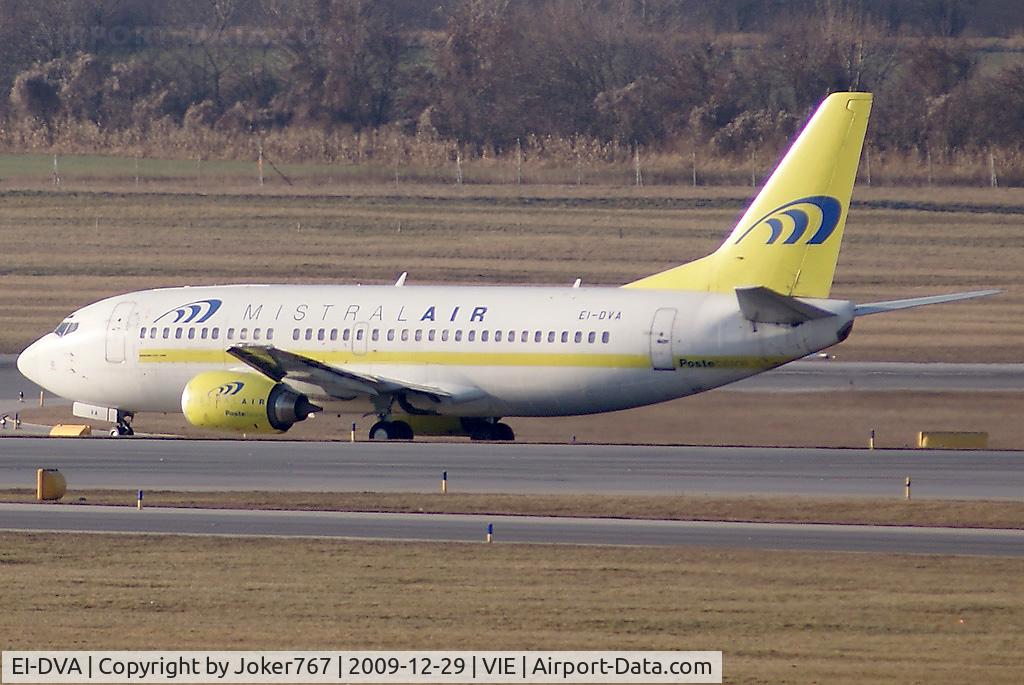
x: 497, y: 431
x: 391, y: 430
x: 476, y: 429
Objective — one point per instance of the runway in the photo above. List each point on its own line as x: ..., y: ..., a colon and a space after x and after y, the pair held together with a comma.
x: 510, y: 468
x: 461, y: 528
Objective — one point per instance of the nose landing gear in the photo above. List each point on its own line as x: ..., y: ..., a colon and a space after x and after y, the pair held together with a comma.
x: 123, y: 426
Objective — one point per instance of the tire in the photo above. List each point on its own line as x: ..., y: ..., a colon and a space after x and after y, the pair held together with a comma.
x: 380, y: 431
x: 482, y: 432
x: 400, y: 430
x: 502, y: 432
x: 391, y: 430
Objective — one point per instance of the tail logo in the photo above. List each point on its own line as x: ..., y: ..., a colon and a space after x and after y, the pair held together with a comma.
x: 819, y: 213
x: 193, y: 312
x: 232, y: 388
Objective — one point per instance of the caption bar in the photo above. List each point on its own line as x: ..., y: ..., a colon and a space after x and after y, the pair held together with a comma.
x: 361, y: 667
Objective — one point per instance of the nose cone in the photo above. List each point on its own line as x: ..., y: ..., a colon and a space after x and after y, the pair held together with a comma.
x: 31, y: 362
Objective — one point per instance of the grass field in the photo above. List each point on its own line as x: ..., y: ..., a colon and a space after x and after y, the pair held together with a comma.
x: 66, y: 247
x: 681, y: 507
x: 779, y: 617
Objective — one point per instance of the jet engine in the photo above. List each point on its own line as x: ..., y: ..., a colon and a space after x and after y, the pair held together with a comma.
x: 243, y: 402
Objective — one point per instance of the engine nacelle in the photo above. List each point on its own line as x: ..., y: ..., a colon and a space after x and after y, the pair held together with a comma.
x: 243, y: 402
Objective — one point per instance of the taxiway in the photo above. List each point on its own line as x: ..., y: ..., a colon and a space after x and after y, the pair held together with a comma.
x: 463, y: 528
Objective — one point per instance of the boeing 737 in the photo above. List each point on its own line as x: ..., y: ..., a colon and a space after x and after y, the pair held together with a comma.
x: 456, y: 360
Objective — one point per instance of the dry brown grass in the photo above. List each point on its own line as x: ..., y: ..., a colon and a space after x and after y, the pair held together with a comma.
x: 719, y: 417
x: 65, y: 249
x: 767, y: 509
x: 779, y: 617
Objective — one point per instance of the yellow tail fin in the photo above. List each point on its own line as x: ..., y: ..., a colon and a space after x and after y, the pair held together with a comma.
x: 788, y: 239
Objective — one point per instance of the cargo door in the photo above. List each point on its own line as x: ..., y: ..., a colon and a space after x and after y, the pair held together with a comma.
x: 661, y: 339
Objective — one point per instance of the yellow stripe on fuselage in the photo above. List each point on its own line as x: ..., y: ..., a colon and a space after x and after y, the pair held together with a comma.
x: 528, y: 359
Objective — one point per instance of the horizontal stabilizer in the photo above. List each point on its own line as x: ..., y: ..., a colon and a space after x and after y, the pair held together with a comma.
x: 763, y: 305
x: 893, y: 305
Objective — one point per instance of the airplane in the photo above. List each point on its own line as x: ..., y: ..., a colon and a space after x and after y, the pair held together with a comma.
x: 456, y: 360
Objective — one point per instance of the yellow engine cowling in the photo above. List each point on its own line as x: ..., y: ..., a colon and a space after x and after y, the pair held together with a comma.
x: 243, y: 402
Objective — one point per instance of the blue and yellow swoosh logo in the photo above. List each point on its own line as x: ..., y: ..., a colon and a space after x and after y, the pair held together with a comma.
x: 807, y: 221
x: 193, y: 312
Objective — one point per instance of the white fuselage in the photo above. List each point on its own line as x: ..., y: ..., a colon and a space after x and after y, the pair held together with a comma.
x: 525, y: 351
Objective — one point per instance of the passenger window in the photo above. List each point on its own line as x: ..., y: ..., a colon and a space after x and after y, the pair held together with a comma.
x: 309, y: 334
x: 243, y: 334
x: 419, y: 334
x: 203, y: 333
x: 483, y: 336
x: 334, y: 334
x: 551, y: 336
x: 191, y: 334
x: 391, y: 335
x: 525, y: 337
x: 405, y: 334
x: 152, y: 332
x: 375, y: 335
x: 497, y: 336
x: 591, y: 337
x: 321, y: 334
x: 578, y: 338
x: 471, y: 336
x: 458, y: 335
x: 215, y: 333
x: 167, y: 333
x: 231, y: 334
x: 604, y: 337
x: 177, y: 333
x: 142, y: 333
x: 512, y: 336
x: 430, y: 335
x: 255, y: 334
x: 444, y: 335
x: 359, y: 334
x: 346, y: 334
x: 296, y: 334
x: 565, y: 336
x: 537, y: 336
x: 270, y: 334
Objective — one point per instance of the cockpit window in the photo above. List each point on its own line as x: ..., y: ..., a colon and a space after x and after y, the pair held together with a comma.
x: 66, y: 328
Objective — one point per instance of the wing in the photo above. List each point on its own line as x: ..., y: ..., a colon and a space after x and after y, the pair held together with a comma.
x: 341, y: 383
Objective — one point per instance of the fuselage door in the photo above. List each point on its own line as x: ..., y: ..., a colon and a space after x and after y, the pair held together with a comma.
x: 117, y: 332
x: 661, y: 339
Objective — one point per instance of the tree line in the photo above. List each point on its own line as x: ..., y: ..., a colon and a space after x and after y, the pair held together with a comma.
x: 492, y: 76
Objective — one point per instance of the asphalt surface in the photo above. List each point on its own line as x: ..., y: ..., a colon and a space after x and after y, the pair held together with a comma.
x: 431, y: 527
x: 510, y: 468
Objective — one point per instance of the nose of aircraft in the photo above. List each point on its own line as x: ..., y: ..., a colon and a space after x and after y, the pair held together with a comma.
x: 31, y: 361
